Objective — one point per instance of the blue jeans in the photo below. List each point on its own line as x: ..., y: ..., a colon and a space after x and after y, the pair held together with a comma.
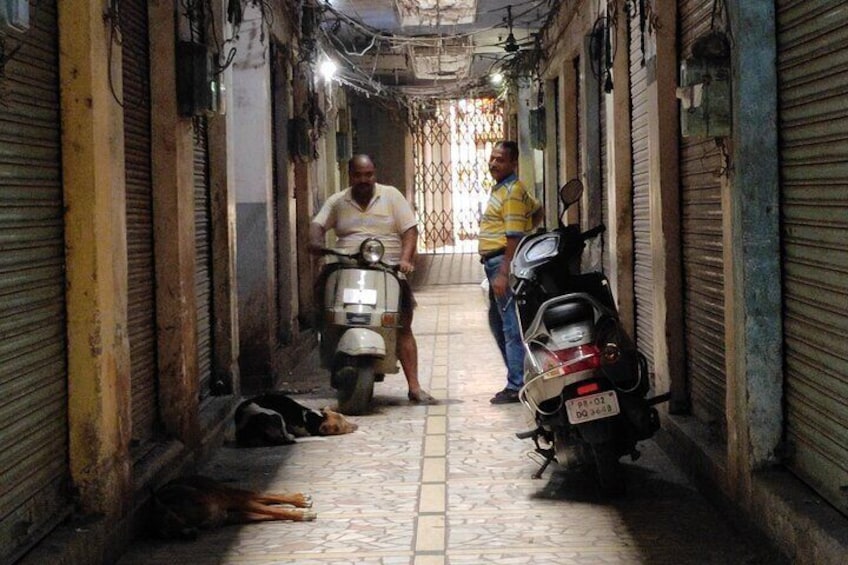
x: 504, y: 327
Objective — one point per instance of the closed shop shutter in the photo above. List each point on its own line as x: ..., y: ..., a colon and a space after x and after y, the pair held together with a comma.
x: 703, y: 254
x: 203, y: 247
x: 33, y: 350
x: 578, y: 101
x: 141, y: 307
x: 643, y: 276
x: 604, y: 177
x: 813, y: 89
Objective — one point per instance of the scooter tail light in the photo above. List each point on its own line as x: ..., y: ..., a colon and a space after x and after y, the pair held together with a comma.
x: 570, y: 360
x: 580, y: 358
x: 588, y: 388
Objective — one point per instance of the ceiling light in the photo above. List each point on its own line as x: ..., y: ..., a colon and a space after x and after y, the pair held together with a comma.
x: 496, y: 79
x: 327, y: 69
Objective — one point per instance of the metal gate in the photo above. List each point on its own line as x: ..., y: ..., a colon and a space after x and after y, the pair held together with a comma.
x: 141, y: 305
x: 703, y: 253
x: 643, y: 275
x: 813, y: 123
x: 33, y: 348
x: 451, y: 145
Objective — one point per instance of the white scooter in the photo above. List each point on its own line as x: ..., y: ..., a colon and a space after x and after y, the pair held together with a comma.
x: 361, y: 317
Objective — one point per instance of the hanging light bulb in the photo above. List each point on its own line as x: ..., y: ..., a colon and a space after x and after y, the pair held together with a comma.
x: 496, y: 78
x: 328, y: 69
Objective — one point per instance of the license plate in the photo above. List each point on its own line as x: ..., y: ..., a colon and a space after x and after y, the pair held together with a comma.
x: 367, y: 296
x: 592, y: 407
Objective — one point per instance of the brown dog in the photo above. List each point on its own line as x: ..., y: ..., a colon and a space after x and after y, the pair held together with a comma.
x: 187, y: 505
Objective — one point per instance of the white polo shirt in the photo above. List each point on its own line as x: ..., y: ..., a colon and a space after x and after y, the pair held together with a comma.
x: 386, y: 217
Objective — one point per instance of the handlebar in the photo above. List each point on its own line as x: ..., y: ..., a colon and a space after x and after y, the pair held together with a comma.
x: 356, y: 258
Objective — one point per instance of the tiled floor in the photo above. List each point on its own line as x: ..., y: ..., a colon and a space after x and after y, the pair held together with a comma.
x: 450, y: 484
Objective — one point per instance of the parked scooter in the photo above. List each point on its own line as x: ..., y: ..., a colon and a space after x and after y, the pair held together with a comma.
x: 585, y: 381
x: 361, y: 317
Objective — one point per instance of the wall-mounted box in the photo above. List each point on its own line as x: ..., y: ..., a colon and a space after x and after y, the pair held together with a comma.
x: 14, y: 15
x: 343, y: 150
x: 198, y: 85
x: 537, y: 128
x: 704, y: 93
x: 300, y: 140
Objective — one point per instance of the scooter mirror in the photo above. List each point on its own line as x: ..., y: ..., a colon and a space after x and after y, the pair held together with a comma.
x: 570, y: 192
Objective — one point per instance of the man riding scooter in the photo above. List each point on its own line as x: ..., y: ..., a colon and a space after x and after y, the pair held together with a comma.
x: 367, y: 210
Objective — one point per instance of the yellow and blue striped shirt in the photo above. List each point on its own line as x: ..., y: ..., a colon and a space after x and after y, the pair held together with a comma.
x: 508, y: 213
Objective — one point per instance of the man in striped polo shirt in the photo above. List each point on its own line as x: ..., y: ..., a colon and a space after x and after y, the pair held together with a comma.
x: 511, y: 213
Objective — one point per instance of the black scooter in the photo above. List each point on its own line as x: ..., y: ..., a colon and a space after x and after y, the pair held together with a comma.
x: 585, y: 381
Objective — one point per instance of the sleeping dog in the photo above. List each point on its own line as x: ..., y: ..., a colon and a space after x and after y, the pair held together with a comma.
x: 276, y: 419
x: 187, y: 505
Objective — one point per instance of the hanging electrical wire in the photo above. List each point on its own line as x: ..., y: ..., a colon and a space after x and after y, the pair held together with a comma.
x: 359, y: 48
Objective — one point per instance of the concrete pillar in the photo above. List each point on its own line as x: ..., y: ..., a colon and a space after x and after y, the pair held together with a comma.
x: 95, y: 235
x: 620, y: 158
x: 754, y: 334
x: 669, y: 361
x: 254, y: 181
x: 552, y: 146
x: 223, y: 211
x: 568, y: 129
x: 173, y: 216
x: 526, y: 167
x: 307, y: 265
x: 590, y: 141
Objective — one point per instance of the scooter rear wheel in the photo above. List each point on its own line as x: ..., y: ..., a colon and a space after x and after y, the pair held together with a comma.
x: 355, y: 397
x: 608, y: 469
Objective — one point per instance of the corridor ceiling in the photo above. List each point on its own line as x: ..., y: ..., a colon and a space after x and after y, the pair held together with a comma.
x: 429, y: 48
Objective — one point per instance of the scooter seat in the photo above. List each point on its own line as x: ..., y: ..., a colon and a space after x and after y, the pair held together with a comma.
x: 568, y: 313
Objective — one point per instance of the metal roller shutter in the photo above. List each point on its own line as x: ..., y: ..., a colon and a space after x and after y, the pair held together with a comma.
x: 813, y: 89
x: 33, y: 350
x: 203, y: 247
x: 141, y: 307
x: 703, y: 253
x: 643, y: 276
x: 578, y: 88
x: 605, y: 216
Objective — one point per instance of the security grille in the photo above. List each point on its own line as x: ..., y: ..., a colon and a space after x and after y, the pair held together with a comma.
x: 451, y: 145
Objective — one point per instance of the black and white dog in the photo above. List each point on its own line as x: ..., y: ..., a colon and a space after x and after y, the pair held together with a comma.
x: 275, y: 418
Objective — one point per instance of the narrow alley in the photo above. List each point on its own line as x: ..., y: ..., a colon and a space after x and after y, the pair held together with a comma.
x: 451, y: 484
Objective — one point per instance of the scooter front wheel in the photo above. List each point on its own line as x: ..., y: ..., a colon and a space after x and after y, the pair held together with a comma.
x: 355, y: 397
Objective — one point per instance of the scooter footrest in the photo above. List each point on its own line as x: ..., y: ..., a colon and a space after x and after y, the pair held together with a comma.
x: 526, y: 435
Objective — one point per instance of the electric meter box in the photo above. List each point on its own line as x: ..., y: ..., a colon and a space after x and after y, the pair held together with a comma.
x: 537, y: 128
x: 704, y: 93
x: 199, y: 88
x: 14, y: 15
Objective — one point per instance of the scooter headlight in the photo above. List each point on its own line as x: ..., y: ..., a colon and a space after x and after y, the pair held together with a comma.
x: 372, y: 250
x: 542, y: 248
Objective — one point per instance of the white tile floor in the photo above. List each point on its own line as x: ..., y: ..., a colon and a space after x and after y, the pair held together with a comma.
x: 450, y: 484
